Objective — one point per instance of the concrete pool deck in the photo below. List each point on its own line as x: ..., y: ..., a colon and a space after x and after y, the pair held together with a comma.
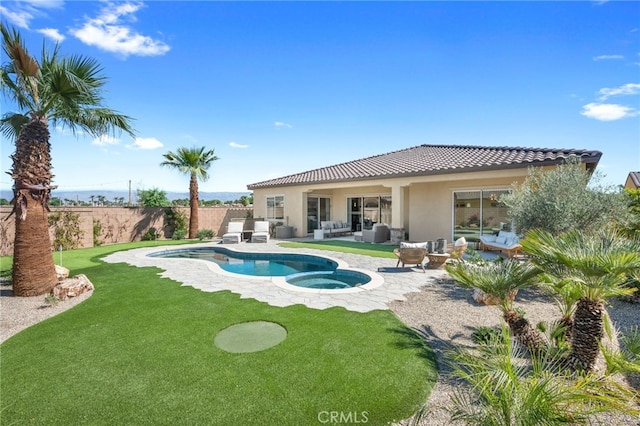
x: 203, y: 275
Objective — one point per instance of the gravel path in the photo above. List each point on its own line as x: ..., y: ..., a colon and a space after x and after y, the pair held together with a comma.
x: 444, y: 313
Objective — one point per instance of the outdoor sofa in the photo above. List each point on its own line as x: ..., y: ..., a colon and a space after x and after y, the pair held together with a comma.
x: 331, y: 228
x: 505, y: 241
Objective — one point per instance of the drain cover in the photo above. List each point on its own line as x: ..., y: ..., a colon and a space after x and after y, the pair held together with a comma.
x: 251, y: 336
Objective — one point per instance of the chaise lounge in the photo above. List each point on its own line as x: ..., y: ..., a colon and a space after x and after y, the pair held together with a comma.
x: 260, y: 232
x: 234, y: 233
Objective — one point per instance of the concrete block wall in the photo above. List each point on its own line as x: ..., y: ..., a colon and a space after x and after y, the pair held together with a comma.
x: 125, y: 224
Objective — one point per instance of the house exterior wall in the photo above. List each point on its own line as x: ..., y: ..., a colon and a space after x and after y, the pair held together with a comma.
x: 427, y: 201
x: 124, y: 224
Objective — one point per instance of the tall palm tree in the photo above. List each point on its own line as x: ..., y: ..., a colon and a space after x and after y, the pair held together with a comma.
x: 64, y: 91
x: 500, y: 279
x: 599, y: 265
x: 195, y: 162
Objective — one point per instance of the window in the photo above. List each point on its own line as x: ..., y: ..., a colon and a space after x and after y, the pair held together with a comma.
x: 478, y: 213
x: 275, y: 207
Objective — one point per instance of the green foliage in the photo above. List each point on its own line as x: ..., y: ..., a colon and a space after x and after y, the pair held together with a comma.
x: 176, y: 220
x: 485, y: 335
x: 67, y: 232
x: 4, y: 202
x: 97, y: 232
x: 153, y: 198
x: 563, y: 198
x: 55, y: 202
x: 206, y: 234
x: 150, y: 235
x: 51, y: 300
x: 504, y: 389
x: 179, y: 234
x: 631, y: 227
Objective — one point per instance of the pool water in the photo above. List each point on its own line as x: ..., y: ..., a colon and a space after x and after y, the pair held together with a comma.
x: 329, y: 280
x: 300, y: 270
x: 255, y: 264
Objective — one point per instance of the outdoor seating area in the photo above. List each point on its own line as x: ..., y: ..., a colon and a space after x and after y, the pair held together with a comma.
x: 260, y: 232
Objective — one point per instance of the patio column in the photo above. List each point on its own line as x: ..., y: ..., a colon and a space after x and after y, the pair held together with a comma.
x: 397, y: 213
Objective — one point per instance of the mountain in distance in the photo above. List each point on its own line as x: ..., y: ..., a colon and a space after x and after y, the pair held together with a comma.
x: 111, y: 195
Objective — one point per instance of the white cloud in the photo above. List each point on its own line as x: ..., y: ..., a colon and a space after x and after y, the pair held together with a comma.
x: 281, y: 124
x: 22, y: 12
x: 107, y: 32
x: 625, y: 89
x: 105, y: 140
x: 607, y: 57
x: 19, y: 18
x: 147, y: 143
x: 52, y: 33
x: 237, y: 145
x: 607, y: 112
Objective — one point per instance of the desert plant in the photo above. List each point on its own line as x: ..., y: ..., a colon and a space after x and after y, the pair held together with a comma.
x: 598, y: 265
x: 179, y: 234
x: 195, y: 162
x: 63, y: 91
x: 500, y: 280
x: 504, y: 388
x: 205, y: 234
x: 97, y: 232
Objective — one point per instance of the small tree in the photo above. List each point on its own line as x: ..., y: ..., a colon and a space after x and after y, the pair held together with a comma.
x: 566, y: 197
x: 153, y: 198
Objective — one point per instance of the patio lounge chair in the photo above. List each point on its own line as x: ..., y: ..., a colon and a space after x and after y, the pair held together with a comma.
x: 411, y: 256
x: 260, y: 232
x: 234, y: 233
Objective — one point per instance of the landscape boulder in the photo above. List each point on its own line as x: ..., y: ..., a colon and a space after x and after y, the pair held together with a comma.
x: 62, y: 272
x: 72, y: 287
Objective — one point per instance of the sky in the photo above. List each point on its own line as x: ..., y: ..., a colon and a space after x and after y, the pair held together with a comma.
x: 278, y: 88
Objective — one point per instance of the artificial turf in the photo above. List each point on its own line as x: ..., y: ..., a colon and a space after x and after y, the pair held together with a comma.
x: 140, y: 351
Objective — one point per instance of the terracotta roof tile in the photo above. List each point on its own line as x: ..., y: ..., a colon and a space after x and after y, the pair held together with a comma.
x: 431, y: 160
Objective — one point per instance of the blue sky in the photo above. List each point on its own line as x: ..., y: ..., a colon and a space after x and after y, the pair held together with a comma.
x: 278, y: 88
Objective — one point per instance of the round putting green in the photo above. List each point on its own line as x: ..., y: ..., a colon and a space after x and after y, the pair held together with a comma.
x: 251, y: 336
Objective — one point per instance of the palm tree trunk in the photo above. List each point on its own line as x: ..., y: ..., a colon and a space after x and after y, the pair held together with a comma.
x: 194, y: 203
x: 588, y: 330
x: 524, y: 333
x: 33, y: 270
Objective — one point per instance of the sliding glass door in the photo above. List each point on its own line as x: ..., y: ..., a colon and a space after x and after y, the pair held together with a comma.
x: 478, y: 213
x: 364, y: 212
x: 318, y: 210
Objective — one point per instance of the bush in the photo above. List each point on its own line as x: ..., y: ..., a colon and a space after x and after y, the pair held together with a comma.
x: 205, y: 234
x: 179, y: 234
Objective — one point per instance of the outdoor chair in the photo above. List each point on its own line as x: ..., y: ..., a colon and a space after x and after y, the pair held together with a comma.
x: 378, y: 234
x: 260, y: 232
x: 459, y: 248
x: 234, y: 233
x: 411, y: 256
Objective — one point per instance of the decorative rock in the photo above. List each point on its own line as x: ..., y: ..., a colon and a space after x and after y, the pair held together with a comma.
x: 61, y: 272
x: 481, y: 297
x: 72, y: 287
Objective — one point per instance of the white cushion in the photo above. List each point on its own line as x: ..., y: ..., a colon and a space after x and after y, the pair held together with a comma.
x: 413, y: 245
x: 501, y: 240
x: 460, y: 242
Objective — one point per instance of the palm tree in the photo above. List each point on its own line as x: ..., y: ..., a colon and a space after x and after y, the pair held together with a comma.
x: 598, y: 264
x: 501, y: 279
x: 67, y: 92
x: 195, y: 162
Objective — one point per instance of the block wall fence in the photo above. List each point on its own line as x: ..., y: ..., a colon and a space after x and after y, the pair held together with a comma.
x: 124, y: 224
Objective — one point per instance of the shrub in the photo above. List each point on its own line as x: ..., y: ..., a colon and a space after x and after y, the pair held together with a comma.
x: 179, y: 234
x: 205, y: 234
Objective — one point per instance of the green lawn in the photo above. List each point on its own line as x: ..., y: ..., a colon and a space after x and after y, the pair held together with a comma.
x: 140, y: 351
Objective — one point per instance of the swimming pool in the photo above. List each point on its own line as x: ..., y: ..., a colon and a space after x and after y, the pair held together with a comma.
x: 300, y: 270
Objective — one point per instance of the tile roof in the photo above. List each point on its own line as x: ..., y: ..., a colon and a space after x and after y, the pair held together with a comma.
x: 432, y: 160
x: 635, y: 178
